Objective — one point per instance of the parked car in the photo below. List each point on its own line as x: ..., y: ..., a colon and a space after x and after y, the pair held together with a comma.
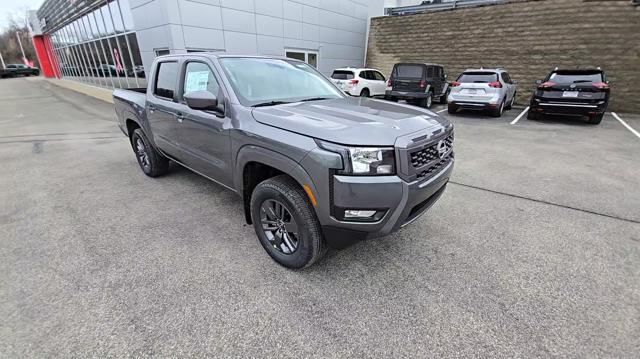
x: 106, y: 70
x: 313, y: 166
x: 71, y: 70
x: 483, y: 89
x: 360, y: 82
x: 420, y: 84
x: 571, y: 92
x: 12, y: 70
x: 137, y: 71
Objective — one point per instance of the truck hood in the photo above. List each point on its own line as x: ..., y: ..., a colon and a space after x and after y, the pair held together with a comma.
x: 351, y: 121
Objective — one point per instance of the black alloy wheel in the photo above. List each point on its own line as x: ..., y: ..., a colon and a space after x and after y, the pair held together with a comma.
x: 279, y: 226
x: 151, y: 162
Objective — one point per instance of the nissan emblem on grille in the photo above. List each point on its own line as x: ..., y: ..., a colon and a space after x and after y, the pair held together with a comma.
x: 442, y: 149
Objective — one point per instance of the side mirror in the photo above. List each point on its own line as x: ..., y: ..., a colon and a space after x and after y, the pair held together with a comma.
x: 201, y: 100
x: 538, y: 82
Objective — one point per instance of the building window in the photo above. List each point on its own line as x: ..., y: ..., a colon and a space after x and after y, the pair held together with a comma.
x: 310, y: 57
x: 160, y: 52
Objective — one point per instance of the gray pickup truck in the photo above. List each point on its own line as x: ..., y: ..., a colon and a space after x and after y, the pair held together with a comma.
x: 314, y: 166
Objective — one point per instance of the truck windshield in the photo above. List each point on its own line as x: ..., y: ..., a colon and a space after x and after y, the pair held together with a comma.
x: 569, y: 77
x: 275, y: 81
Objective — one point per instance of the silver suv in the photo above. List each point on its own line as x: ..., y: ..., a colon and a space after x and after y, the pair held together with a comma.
x: 483, y: 89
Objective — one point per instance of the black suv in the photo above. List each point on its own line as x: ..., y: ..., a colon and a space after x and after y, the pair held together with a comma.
x: 418, y: 83
x: 571, y: 93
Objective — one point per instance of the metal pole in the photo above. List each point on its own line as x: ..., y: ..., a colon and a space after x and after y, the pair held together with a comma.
x: 77, y: 50
x: 62, y: 54
x: 126, y: 38
x: 104, y: 23
x: 83, y: 56
x: 24, y: 57
x: 104, y: 53
x: 83, y: 47
x: 115, y: 31
x: 97, y: 53
x: 72, y: 53
x: 2, y: 60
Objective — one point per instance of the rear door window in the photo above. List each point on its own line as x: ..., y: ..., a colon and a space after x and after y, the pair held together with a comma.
x: 409, y: 71
x: 430, y: 72
x: 378, y: 76
x: 342, y: 75
x: 506, y: 78
x: 478, y: 77
x: 165, y: 85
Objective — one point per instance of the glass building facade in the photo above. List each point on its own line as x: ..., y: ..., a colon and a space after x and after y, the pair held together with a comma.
x: 96, y: 43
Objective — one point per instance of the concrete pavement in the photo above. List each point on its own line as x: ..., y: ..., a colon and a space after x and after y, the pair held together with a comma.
x: 533, y: 251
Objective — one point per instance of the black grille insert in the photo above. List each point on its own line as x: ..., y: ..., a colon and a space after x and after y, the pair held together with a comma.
x: 436, y: 167
x: 432, y: 153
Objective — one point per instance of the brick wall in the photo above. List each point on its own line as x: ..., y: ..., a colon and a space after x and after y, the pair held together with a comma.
x: 528, y: 38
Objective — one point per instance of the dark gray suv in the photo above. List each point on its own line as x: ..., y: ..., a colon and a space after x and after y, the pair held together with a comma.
x: 314, y: 167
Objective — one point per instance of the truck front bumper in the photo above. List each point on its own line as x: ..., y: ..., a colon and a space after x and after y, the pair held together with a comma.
x: 397, y: 202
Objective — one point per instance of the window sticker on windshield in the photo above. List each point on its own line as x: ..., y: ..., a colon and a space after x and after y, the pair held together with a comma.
x: 196, y: 81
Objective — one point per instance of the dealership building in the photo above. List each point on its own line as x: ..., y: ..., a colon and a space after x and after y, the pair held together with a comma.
x: 111, y: 43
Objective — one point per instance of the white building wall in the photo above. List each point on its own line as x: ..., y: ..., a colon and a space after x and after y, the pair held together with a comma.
x: 336, y: 29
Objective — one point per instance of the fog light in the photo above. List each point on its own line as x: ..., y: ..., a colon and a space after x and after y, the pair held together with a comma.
x: 356, y: 213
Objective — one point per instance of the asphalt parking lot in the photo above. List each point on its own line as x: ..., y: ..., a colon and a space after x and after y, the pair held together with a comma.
x: 533, y: 251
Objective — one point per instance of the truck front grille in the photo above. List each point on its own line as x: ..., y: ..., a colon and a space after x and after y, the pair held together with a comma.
x: 423, y: 157
x: 436, y: 167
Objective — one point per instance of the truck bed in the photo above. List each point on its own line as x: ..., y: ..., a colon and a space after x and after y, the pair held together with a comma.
x: 130, y: 104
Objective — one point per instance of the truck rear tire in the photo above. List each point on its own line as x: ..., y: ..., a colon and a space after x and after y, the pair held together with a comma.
x: 595, y: 120
x: 151, y: 162
x: 500, y: 110
x: 286, y: 223
x: 443, y: 98
x: 428, y: 101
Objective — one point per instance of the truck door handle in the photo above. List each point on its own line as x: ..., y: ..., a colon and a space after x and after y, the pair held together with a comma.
x: 179, y: 117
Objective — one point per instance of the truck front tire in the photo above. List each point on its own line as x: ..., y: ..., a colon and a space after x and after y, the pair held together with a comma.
x: 285, y: 223
x: 151, y: 162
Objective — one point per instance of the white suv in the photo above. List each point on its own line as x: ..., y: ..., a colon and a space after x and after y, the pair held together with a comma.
x: 360, y: 82
x: 482, y: 89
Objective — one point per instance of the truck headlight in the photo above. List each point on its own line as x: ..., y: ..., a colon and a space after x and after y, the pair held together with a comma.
x: 364, y: 161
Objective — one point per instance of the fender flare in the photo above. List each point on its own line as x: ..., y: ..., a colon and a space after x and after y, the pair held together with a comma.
x: 287, y: 165
x: 128, y: 115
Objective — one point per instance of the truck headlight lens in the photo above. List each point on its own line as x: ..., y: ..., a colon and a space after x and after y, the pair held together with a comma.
x: 372, y: 161
x: 364, y: 161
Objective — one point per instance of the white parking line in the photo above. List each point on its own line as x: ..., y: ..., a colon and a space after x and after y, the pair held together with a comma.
x: 625, y: 124
x: 441, y: 111
x: 520, y: 116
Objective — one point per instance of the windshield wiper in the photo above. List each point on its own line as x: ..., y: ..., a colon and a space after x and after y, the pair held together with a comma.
x: 270, y: 103
x: 314, y: 99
